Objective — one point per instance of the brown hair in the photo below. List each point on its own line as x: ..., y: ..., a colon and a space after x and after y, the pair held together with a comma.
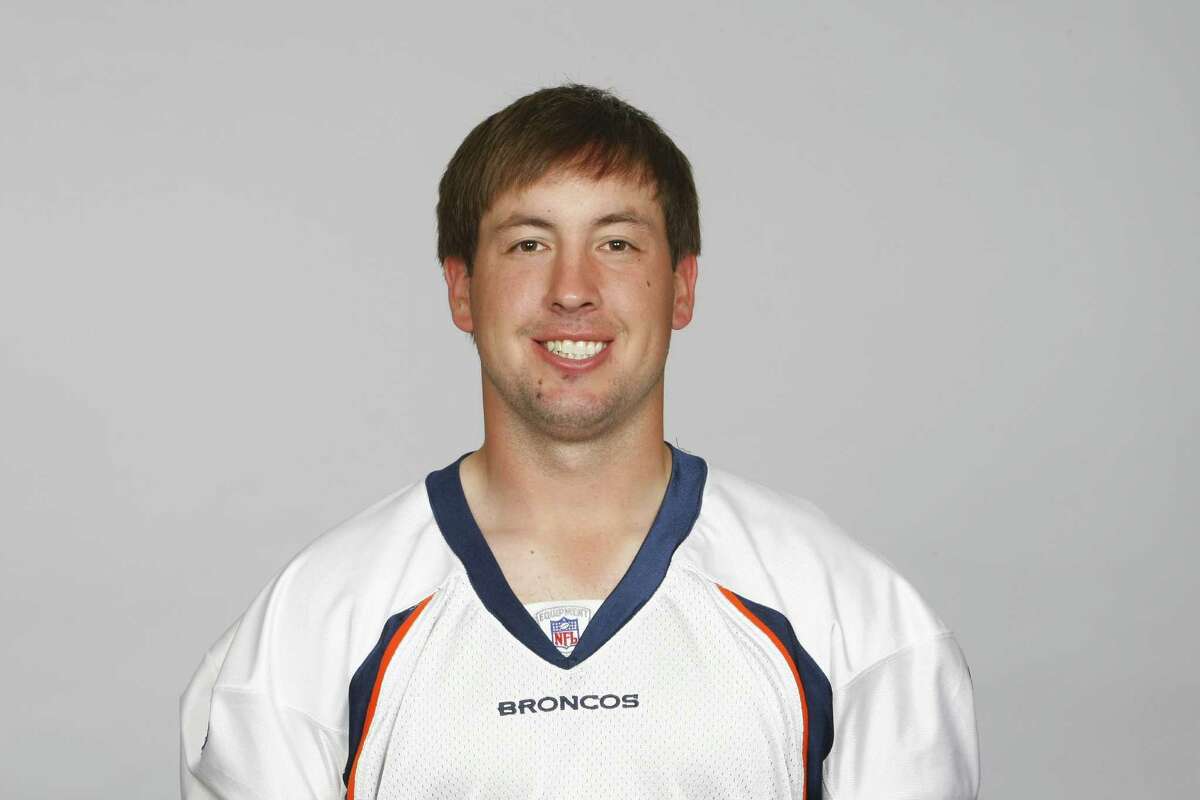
x: 574, y: 126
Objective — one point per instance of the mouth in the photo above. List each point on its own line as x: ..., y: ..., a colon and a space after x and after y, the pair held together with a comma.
x: 575, y: 350
x: 574, y: 355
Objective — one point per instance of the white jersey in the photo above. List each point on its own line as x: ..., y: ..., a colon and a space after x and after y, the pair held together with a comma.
x: 752, y: 650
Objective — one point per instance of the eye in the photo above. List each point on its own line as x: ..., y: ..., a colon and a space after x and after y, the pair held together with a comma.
x: 619, y: 246
x: 526, y: 246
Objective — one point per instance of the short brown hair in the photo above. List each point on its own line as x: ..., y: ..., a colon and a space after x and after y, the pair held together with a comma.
x: 575, y: 126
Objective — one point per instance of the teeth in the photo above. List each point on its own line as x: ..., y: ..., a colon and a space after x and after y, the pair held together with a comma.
x: 574, y: 350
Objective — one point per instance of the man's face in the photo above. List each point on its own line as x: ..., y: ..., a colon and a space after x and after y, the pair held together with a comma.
x: 583, y: 262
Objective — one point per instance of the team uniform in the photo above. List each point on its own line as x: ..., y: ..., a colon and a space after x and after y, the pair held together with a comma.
x: 752, y: 650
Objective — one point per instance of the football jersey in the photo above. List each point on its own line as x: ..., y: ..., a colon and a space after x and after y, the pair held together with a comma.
x: 751, y: 650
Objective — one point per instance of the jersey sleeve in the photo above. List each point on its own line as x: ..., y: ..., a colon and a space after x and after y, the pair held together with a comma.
x: 249, y: 729
x: 905, y: 728
x: 267, y: 713
x: 194, y: 707
x: 259, y: 749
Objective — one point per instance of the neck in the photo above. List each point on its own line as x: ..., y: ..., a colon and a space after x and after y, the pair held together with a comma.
x: 539, y: 484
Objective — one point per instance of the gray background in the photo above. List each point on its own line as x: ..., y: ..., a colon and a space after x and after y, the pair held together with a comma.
x: 948, y: 292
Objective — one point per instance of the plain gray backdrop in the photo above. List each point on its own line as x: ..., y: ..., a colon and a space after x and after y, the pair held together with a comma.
x: 948, y: 293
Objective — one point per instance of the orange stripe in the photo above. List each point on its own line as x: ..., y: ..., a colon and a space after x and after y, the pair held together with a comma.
x: 762, y: 626
x: 383, y: 665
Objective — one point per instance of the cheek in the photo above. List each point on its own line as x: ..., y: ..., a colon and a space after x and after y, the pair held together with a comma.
x: 510, y: 304
x: 647, y: 306
x: 658, y: 294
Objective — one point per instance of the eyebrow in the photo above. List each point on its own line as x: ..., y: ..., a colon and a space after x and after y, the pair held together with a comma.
x: 519, y: 220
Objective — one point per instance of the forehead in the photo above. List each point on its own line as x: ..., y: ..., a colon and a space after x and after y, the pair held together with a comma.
x: 570, y: 195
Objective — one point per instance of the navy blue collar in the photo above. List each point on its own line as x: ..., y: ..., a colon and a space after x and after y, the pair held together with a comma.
x: 676, y: 515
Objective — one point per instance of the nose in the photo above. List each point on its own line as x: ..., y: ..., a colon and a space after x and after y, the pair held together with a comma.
x: 574, y: 282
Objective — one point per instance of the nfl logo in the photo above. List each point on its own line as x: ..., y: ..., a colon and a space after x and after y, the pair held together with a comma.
x: 565, y: 632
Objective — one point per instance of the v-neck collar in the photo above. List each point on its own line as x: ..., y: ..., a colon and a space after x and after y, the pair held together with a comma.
x: 676, y: 514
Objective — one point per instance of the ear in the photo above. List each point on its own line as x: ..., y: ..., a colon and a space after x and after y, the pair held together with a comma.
x: 685, y: 291
x: 458, y: 286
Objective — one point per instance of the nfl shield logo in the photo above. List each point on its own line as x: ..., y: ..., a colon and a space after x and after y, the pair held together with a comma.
x: 565, y: 632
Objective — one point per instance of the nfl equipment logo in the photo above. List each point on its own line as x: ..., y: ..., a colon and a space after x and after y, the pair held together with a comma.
x: 565, y: 632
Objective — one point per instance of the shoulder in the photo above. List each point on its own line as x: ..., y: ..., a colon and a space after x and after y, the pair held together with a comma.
x: 393, y: 544
x: 312, y: 623
x: 849, y: 607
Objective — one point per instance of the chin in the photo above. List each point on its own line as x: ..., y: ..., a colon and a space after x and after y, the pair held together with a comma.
x: 574, y: 421
x: 568, y: 413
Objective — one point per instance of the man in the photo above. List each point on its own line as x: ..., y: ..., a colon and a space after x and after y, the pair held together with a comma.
x: 577, y: 608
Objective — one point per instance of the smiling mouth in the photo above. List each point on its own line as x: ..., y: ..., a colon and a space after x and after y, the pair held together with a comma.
x: 575, y: 350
